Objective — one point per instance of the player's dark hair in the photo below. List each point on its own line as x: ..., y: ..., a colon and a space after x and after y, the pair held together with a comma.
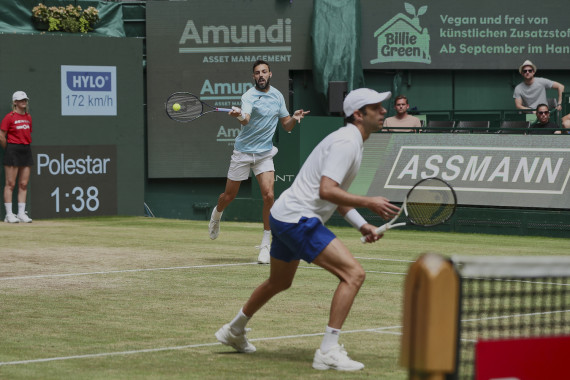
x: 260, y: 62
x: 541, y: 105
x: 350, y: 119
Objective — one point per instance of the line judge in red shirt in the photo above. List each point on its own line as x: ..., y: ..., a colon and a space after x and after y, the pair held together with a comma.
x: 15, y: 138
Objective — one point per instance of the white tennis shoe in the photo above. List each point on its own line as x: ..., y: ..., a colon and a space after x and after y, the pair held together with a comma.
x: 335, y: 358
x: 239, y: 342
x: 214, y: 226
x: 24, y: 218
x: 264, y: 257
x: 11, y: 218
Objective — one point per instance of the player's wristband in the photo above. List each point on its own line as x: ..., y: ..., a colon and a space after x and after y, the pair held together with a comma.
x: 354, y: 218
x: 241, y: 117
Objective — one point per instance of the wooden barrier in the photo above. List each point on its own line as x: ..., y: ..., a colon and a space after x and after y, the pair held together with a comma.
x: 429, y: 339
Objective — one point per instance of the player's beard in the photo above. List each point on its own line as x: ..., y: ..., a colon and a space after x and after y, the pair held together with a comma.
x: 264, y: 86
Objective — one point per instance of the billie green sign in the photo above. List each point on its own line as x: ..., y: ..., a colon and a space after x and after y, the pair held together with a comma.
x: 464, y: 34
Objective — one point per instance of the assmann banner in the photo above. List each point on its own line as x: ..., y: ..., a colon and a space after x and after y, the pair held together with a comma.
x: 499, y: 170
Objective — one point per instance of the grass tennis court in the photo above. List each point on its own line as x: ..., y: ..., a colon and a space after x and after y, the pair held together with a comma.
x: 134, y: 297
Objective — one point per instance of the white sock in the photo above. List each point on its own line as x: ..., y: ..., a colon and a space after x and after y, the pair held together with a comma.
x: 21, y: 208
x: 217, y: 215
x: 8, y: 208
x: 266, y: 238
x: 237, y: 325
x: 330, y: 339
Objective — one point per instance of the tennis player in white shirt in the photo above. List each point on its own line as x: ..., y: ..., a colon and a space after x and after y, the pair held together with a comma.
x: 297, y: 225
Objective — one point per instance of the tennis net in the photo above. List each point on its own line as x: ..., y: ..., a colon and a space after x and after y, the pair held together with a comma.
x: 509, y: 297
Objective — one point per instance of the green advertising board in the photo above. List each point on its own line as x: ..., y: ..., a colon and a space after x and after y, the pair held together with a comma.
x: 87, y: 107
x: 485, y: 169
x: 462, y: 34
x: 210, y: 53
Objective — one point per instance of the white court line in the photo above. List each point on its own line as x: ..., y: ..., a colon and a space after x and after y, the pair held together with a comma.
x: 516, y: 280
x: 56, y: 275
x: 134, y: 352
x: 123, y: 271
x: 228, y: 265
x: 515, y: 316
x: 103, y: 354
x: 380, y: 259
x: 379, y: 272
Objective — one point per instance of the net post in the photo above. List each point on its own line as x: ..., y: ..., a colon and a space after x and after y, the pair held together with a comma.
x: 431, y: 299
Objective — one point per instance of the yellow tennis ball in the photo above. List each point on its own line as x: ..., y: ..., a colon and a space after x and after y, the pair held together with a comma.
x: 176, y: 107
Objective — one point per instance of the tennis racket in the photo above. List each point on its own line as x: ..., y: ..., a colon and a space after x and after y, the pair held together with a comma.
x: 184, y: 107
x: 430, y: 202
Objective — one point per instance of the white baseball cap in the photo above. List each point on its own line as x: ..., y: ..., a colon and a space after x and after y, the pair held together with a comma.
x: 19, y: 95
x: 356, y: 99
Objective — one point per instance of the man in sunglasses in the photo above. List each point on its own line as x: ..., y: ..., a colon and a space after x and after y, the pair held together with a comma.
x: 543, y: 125
x: 532, y: 91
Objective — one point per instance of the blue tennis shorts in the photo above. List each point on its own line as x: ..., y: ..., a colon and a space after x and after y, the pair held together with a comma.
x: 302, y: 240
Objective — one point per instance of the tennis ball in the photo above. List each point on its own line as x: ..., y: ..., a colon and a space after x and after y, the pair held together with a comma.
x: 176, y: 107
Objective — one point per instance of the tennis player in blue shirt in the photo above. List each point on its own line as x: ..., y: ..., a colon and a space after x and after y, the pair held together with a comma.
x: 262, y: 106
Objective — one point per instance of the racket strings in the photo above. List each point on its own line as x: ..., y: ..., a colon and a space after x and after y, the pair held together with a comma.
x: 190, y: 107
x: 429, y: 214
x: 429, y: 206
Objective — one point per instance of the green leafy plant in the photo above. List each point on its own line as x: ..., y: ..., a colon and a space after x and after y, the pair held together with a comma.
x: 70, y: 18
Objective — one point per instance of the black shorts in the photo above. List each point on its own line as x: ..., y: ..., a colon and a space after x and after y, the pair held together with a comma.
x: 18, y: 155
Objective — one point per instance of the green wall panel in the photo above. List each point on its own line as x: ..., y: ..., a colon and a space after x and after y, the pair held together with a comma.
x: 37, y: 71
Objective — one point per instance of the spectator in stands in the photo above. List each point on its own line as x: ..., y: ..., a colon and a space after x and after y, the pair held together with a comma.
x: 402, y: 121
x: 15, y: 138
x: 543, y: 125
x: 532, y: 91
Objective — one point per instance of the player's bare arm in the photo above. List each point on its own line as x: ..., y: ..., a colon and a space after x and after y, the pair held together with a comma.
x: 289, y: 122
x: 331, y: 191
x: 367, y: 229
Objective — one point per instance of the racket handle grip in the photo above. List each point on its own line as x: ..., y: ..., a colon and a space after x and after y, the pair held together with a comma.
x: 379, y: 230
x: 224, y: 110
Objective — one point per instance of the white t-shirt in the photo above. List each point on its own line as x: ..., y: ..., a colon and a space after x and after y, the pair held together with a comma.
x: 338, y: 157
x: 534, y: 94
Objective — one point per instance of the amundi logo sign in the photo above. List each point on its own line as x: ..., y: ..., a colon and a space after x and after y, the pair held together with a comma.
x: 402, y: 39
x: 236, y: 38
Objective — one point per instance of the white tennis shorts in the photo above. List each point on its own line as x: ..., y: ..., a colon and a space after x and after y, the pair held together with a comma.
x: 242, y: 163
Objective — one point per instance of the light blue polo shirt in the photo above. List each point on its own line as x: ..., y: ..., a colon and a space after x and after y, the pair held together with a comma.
x: 265, y: 110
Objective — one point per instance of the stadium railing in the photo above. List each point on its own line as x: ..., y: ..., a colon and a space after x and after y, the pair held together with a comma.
x: 495, y: 119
